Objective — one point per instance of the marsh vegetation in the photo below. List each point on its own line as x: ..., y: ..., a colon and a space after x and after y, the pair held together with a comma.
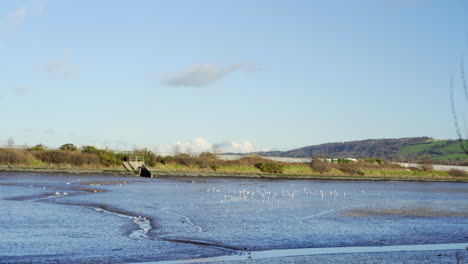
x: 70, y: 157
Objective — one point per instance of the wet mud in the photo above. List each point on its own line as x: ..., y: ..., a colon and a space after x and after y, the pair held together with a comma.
x: 232, y: 220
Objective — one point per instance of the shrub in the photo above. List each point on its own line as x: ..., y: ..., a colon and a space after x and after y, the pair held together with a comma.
x: 320, y: 166
x: 365, y: 165
x: 351, y: 170
x: 214, y: 167
x: 414, y: 169
x: 426, y: 164
x: 80, y: 159
x: 185, y: 160
x: 372, y: 160
x: 427, y: 167
x: 207, y: 155
x: 90, y: 149
x: 457, y: 173
x: 206, y: 159
x: 68, y: 147
x: 270, y: 167
x: 149, y: 157
x: 39, y: 147
x: 165, y: 159
x: 13, y: 156
x: 168, y: 159
x: 343, y: 161
x: 250, y: 160
x: 106, y: 157
x: 67, y: 157
x: 109, y: 158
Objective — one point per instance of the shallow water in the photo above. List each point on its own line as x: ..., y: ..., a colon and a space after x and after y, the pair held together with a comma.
x: 283, y: 253
x: 62, y: 218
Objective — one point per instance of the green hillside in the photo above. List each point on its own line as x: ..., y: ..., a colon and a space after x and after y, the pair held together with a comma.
x: 397, y: 149
x: 437, y: 150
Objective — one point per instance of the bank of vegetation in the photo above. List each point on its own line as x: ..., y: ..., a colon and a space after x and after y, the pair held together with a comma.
x: 68, y: 156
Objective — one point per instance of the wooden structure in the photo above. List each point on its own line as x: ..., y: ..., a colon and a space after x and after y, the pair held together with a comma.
x: 136, y: 166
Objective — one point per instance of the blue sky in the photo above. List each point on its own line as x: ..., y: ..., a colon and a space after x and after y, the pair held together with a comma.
x: 241, y: 75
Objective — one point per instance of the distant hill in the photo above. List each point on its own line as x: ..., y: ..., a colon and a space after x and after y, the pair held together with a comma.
x: 400, y: 149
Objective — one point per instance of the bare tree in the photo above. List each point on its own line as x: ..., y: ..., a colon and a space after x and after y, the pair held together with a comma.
x: 460, y: 135
x: 320, y: 165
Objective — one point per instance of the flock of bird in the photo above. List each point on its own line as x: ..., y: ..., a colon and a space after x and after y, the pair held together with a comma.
x: 233, y: 195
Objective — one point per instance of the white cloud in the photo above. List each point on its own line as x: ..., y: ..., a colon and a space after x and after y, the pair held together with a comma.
x: 245, y: 146
x: 205, y: 74
x: 15, y: 18
x: 62, y: 66
x: 199, y: 145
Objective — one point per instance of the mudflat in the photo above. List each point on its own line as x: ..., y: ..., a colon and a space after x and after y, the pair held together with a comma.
x: 113, y: 218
